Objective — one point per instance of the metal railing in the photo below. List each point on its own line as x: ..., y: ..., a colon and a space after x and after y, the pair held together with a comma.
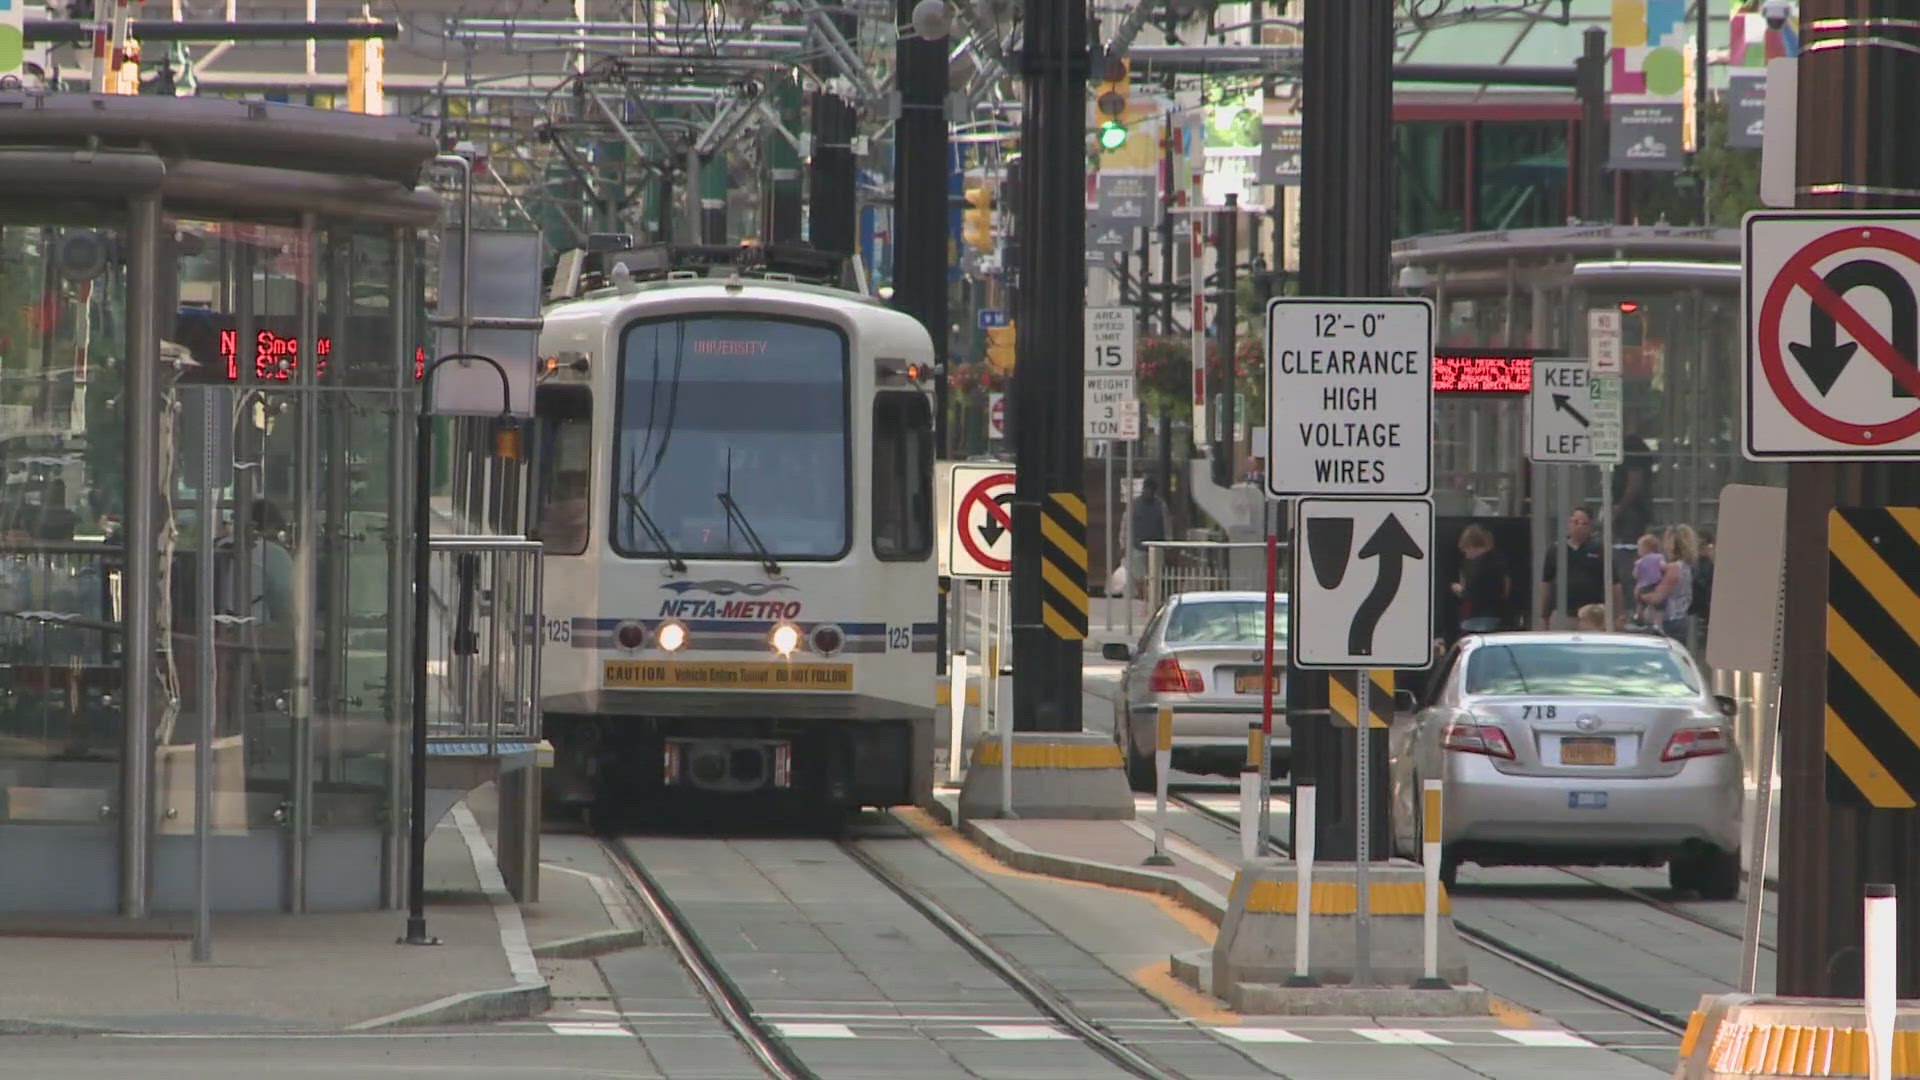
x: 483, y: 648
x: 1177, y: 566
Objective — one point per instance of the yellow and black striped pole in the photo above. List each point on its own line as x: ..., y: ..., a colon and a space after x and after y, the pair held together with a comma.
x: 1063, y: 566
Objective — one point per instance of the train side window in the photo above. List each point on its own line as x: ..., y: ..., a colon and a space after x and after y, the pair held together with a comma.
x: 902, y: 476
x: 566, y: 467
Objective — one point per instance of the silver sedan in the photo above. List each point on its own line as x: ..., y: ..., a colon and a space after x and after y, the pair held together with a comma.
x: 1201, y: 655
x: 1574, y: 749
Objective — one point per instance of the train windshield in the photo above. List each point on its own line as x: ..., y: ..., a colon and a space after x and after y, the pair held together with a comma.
x: 751, y: 408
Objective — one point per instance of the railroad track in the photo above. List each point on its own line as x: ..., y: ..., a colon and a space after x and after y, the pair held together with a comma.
x: 763, y: 1040
x: 1490, y: 943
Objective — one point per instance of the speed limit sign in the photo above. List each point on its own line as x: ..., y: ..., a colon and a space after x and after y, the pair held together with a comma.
x: 1110, y: 341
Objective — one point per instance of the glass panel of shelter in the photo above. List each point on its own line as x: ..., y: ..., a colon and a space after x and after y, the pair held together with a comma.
x: 62, y: 363
x: 311, y: 667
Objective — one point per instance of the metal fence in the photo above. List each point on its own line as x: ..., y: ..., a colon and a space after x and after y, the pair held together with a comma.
x: 1177, y: 566
x: 483, y: 645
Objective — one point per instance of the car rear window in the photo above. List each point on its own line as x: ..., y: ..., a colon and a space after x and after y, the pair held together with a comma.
x: 1235, y: 621
x: 1583, y: 669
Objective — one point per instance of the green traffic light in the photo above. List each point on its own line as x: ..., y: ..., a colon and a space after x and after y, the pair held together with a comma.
x: 1112, y: 136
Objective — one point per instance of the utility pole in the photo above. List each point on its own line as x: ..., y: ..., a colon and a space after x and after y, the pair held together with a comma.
x: 1859, y: 67
x: 1166, y: 234
x: 922, y: 168
x: 783, y: 167
x: 1050, y: 610
x: 1227, y: 314
x: 1591, y: 75
x: 1344, y: 246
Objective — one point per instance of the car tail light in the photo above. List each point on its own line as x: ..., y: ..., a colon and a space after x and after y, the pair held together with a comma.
x: 1477, y: 739
x: 1695, y: 742
x: 1168, y: 675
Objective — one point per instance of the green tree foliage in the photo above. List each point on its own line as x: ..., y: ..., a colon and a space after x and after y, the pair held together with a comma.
x: 1732, y: 175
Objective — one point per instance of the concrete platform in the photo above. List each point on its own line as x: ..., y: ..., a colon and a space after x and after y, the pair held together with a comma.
x: 1054, y: 775
x: 306, y: 973
x: 1113, y: 853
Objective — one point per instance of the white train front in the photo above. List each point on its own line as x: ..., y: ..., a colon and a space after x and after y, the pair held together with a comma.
x: 736, y: 500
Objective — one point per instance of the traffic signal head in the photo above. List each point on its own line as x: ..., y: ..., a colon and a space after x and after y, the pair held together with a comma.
x: 1111, y: 99
x: 1113, y: 135
x: 1629, y: 307
x: 976, y: 222
x: 1000, y: 347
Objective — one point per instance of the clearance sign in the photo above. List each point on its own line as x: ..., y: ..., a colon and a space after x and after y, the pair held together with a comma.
x: 716, y: 675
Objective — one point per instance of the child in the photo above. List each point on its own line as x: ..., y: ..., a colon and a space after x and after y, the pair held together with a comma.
x: 1593, y: 617
x: 1647, y: 571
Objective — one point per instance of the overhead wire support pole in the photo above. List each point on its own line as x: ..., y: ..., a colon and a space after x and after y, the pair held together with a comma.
x: 1130, y: 28
x: 1859, y: 65
x: 1049, y: 561
x: 844, y: 56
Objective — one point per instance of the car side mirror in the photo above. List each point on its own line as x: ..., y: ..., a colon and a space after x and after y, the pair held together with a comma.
x: 1729, y: 708
x: 1405, y: 701
x: 1116, y: 650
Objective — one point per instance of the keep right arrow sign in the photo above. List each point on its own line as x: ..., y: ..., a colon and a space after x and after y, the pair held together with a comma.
x: 1363, y: 584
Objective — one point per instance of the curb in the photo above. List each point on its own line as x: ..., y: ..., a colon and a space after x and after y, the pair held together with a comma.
x: 10, y: 1026
x: 587, y: 946
x: 529, y: 995
x: 1011, y: 852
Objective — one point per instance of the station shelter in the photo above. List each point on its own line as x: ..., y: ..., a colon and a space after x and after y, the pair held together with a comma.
x: 151, y: 246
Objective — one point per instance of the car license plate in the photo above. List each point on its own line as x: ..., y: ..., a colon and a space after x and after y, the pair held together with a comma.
x: 1586, y: 800
x: 1586, y: 751
x: 1248, y: 681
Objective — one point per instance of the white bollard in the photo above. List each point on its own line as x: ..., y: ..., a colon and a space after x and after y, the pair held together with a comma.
x: 1304, y: 808
x: 1163, y: 769
x: 1882, y: 946
x: 1250, y: 798
x: 957, y: 701
x: 1430, y: 863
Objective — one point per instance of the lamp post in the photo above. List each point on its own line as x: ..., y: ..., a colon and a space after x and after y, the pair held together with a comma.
x: 422, y: 560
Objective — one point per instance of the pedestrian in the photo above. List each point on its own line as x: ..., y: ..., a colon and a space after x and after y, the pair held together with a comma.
x: 1648, y: 568
x: 1483, y: 587
x: 1703, y: 586
x: 1593, y: 617
x: 1672, y: 597
x: 1632, y: 488
x: 1585, y: 569
x: 1148, y: 522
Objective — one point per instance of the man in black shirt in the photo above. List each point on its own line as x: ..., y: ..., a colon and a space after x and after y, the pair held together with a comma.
x: 1586, y: 571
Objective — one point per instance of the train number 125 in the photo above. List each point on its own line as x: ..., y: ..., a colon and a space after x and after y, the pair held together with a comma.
x: 899, y: 638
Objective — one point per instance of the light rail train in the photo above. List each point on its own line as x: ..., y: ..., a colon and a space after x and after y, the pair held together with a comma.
x: 736, y: 498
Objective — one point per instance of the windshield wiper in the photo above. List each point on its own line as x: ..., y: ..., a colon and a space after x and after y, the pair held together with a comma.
x: 654, y: 534
x: 746, y: 529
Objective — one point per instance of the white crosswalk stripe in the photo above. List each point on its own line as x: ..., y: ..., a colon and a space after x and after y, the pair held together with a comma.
x: 1262, y: 1035
x: 1030, y: 1032
x: 1546, y: 1038
x: 815, y: 1031
x: 590, y: 1028
x: 1402, y: 1036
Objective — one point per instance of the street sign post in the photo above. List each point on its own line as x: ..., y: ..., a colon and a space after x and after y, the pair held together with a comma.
x: 1603, y: 341
x: 1833, y: 326
x: 1560, y: 412
x: 980, y: 524
x: 1363, y: 584
x: 1349, y: 397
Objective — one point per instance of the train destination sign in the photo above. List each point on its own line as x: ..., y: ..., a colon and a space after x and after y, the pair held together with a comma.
x: 1350, y: 396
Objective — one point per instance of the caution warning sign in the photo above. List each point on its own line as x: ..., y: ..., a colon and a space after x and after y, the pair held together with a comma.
x: 1873, y: 657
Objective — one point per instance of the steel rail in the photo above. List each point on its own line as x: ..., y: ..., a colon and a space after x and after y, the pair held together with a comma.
x: 1034, y: 990
x: 1538, y: 965
x: 721, y: 992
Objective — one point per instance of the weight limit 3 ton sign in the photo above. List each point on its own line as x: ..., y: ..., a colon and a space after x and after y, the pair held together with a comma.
x: 1350, y: 397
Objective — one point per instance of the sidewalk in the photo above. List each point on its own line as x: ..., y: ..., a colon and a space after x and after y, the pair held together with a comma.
x: 79, y: 974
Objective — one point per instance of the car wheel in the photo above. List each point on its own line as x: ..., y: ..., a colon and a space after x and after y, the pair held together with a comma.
x: 1715, y: 874
x: 1449, y: 870
x: 1141, y: 770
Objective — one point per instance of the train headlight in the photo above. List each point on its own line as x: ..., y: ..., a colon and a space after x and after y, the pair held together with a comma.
x: 827, y: 640
x: 671, y: 636
x: 630, y: 636
x: 785, y: 639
